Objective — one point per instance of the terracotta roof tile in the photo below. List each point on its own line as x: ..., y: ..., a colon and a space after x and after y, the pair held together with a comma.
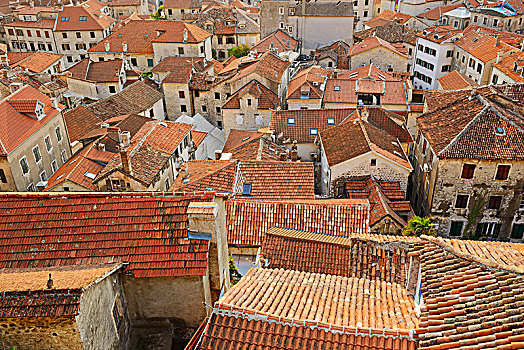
x: 278, y: 39
x: 269, y: 66
x: 455, y: 80
x: 507, y: 66
x: 372, y: 43
x: 70, y: 19
x: 35, y: 62
x: 453, y: 129
x: 218, y: 176
x: 147, y: 230
x: 224, y: 20
x: 238, y: 137
x: 100, y: 72
x: 79, y: 121
x: 389, y: 16
x: 266, y: 99
x: 15, y: 123
x: 436, y: 13
x: 43, y: 23
x: 247, y: 221
x: 482, y: 46
x: 261, y: 149
x: 198, y: 137
x: 510, y: 38
x: 310, y: 78
x: 173, y: 32
x: 392, y: 33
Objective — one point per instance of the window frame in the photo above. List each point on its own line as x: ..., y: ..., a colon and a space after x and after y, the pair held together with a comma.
x: 48, y: 146
x: 472, y: 173
x: 37, y: 148
x: 24, y: 159
x: 502, y: 166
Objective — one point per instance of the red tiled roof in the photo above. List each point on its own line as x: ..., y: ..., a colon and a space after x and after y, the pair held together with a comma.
x: 44, y: 23
x: 269, y: 66
x: 24, y: 292
x: 35, y: 62
x: 147, y: 230
x: 138, y: 36
x: 79, y: 166
x: 439, y: 34
x: 388, y: 16
x: 100, y: 72
x: 453, y: 128
x: 173, y: 32
x: 247, y: 221
x: 95, y: 20
x: 507, y: 66
x: 483, y: 47
x: 79, y: 121
x: 198, y: 137
x: 354, y: 138
x: 367, y: 79
x: 304, y: 121
x: 436, y: 13
x: 372, y: 43
x: 238, y: 137
x: 15, y: 125
x: 279, y: 40
x: 179, y: 68
x: 359, y: 255
x: 265, y: 98
x: 151, y: 147
x: 261, y: 149
x: 218, y: 176
x: 309, y: 79
x: 455, y: 80
x: 182, y: 4
x: 510, y: 38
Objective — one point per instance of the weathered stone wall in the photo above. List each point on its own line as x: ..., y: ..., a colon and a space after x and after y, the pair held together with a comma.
x: 382, y: 58
x: 43, y: 333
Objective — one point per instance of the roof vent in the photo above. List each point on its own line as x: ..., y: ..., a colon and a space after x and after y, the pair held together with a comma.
x: 163, y: 124
x: 500, y: 131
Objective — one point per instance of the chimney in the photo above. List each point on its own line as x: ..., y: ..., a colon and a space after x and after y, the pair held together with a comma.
x: 497, y: 40
x: 206, y: 221
x: 498, y: 57
x: 126, y: 161
x: 183, y: 173
x: 218, y: 154
x: 114, y: 133
x: 124, y: 46
x: 186, y: 35
x: 125, y: 139
x: 55, y: 102
x: 49, y: 282
x: 364, y: 114
x: 107, y: 45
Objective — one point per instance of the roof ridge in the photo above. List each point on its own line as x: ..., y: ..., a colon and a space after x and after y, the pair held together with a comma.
x: 226, y: 165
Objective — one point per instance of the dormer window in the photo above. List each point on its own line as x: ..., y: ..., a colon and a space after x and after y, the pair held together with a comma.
x: 331, y: 121
x: 500, y: 131
x: 291, y: 120
x: 39, y: 111
x: 336, y: 88
x: 83, y: 18
x: 65, y: 19
x: 313, y: 131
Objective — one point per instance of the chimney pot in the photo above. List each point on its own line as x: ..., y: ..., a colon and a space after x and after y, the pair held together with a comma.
x: 49, y: 282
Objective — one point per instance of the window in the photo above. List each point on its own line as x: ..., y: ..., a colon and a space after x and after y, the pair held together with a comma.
x: 467, y: 171
x: 240, y: 119
x: 92, y: 34
x: 64, y: 35
x: 43, y: 176
x: 83, y: 18
x: 46, y: 34
x: 180, y: 50
x: 19, y: 32
x: 281, y: 25
x: 488, y: 229
x: 197, y: 93
x: 152, y: 113
x: 446, y: 68
x: 230, y: 40
x: 24, y: 165
x: 502, y: 172
x: 495, y: 22
x: 29, y: 33
x: 170, y: 12
x: 204, y: 108
x: 365, y: 13
x: 181, y: 94
x: 373, y: 162
x: 258, y: 119
x: 246, y: 189
x: 78, y: 35
x: 331, y: 121
x: 479, y: 68
x: 101, y: 59
x: 290, y: 29
x: 65, y: 19
x: 48, y: 144
x: 218, y: 110
x: 183, y: 108
x: 65, y: 47
x: 31, y: 187
x: 281, y: 10
x: 41, y: 47
x: 36, y: 153
x: 167, y: 184
x: 11, y: 31
x: 249, y: 102
x: 58, y: 133
x: 456, y: 228
x: 217, y: 95
x: 112, y: 89
x: 518, y: 231
x: 201, y: 49
x: 449, y: 53
x: 63, y: 155
x: 54, y: 166
x: 424, y: 145
x: 494, y: 202
x: 336, y: 88
x: 49, y: 47
x: 462, y: 201
x: 3, y: 178
x: 291, y: 120
x: 133, y: 61
x: 150, y: 62
x: 313, y: 131
x: 471, y: 62
x: 494, y: 79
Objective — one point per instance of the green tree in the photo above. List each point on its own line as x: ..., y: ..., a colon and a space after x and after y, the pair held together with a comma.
x: 157, y: 13
x: 239, y: 51
x: 419, y: 226
x: 479, y: 202
x: 234, y: 274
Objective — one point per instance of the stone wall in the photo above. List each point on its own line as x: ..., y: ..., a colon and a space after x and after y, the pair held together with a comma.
x: 381, y: 58
x: 43, y: 333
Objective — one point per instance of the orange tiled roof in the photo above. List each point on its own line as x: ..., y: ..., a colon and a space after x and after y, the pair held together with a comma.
x: 198, y: 137
x: 454, y: 126
x: 173, y: 32
x: 24, y: 292
x: 247, y: 221
x: 261, y: 149
x: 34, y: 62
x: 238, y: 137
x: 483, y: 47
x: 217, y: 176
x: 44, y: 23
x: 455, y: 80
x: 95, y: 20
x: 388, y: 16
x: 265, y: 98
x: 79, y: 121
x: 352, y: 256
x: 309, y: 79
x: 278, y: 39
x: 269, y: 66
x: 372, y: 43
x: 507, y: 66
x: 436, y: 13
x: 100, y: 72
x: 15, y: 125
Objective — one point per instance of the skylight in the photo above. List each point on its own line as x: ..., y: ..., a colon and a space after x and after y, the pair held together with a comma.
x: 246, y: 189
x: 83, y: 18
x: 89, y: 175
x: 500, y: 131
x: 65, y: 19
x: 331, y: 121
x: 336, y: 88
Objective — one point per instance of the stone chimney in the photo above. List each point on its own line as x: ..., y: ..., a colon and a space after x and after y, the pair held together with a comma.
x: 364, y: 114
x: 497, y: 40
x: 107, y: 46
x: 183, y: 173
x: 126, y: 161
x: 124, y: 46
x: 206, y: 221
x: 54, y: 102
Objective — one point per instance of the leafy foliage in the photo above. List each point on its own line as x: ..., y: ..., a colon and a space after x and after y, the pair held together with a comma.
x: 158, y: 13
x: 479, y: 202
x: 418, y: 226
x: 234, y: 274
x: 239, y: 51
